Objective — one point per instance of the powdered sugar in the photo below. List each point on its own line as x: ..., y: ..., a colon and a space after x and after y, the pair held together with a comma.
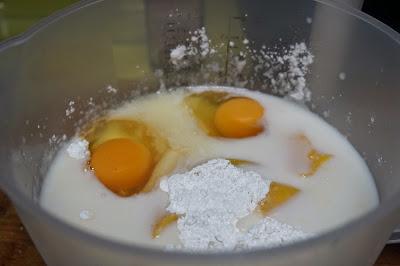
x: 287, y: 72
x: 211, y: 198
x: 280, y: 70
x: 86, y: 215
x: 79, y: 149
x: 198, y: 45
x: 270, y: 233
x: 55, y: 140
x: 70, y: 109
x: 111, y: 89
x: 178, y: 54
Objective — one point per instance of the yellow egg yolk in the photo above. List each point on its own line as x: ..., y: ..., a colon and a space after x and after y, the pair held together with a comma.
x: 278, y: 195
x: 316, y: 159
x: 239, y: 118
x: 203, y: 107
x: 122, y: 165
x: 163, y: 223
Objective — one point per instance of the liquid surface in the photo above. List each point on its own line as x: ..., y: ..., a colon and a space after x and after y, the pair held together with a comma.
x: 340, y: 190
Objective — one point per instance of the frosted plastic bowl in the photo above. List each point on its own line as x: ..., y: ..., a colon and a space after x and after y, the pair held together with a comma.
x: 80, y: 50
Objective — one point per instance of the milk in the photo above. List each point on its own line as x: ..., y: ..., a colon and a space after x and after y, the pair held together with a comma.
x: 341, y: 190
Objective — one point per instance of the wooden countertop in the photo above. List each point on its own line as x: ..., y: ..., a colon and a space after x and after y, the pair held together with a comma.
x: 16, y: 247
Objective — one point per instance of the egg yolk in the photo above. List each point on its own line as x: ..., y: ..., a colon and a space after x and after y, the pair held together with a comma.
x: 239, y: 162
x: 103, y: 130
x: 122, y: 165
x: 316, y: 159
x: 163, y: 223
x: 278, y: 194
x: 203, y: 107
x: 239, y: 118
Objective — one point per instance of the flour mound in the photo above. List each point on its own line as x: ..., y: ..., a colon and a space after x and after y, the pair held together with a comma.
x: 211, y: 198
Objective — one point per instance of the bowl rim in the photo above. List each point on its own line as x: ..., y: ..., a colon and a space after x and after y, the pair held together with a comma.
x: 25, y: 204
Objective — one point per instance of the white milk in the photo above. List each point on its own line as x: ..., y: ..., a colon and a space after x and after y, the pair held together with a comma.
x: 341, y: 190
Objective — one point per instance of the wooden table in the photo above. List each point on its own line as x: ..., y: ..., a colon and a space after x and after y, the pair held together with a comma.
x: 16, y: 247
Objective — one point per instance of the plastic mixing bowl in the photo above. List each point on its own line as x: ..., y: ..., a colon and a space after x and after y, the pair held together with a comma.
x: 77, y: 52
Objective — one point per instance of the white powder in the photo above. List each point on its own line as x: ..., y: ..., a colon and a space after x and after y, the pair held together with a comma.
x: 111, y: 89
x: 211, y: 198
x: 348, y: 118
x: 288, y: 71
x: 372, y: 119
x: 86, y: 215
x: 178, y: 54
x: 204, y: 42
x: 380, y: 159
x: 159, y: 73
x: 270, y: 233
x: 199, y: 45
x: 55, y: 140
x: 79, y: 149
x: 70, y: 109
x: 281, y: 70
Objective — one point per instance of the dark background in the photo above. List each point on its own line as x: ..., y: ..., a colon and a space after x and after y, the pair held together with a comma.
x: 387, y: 11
